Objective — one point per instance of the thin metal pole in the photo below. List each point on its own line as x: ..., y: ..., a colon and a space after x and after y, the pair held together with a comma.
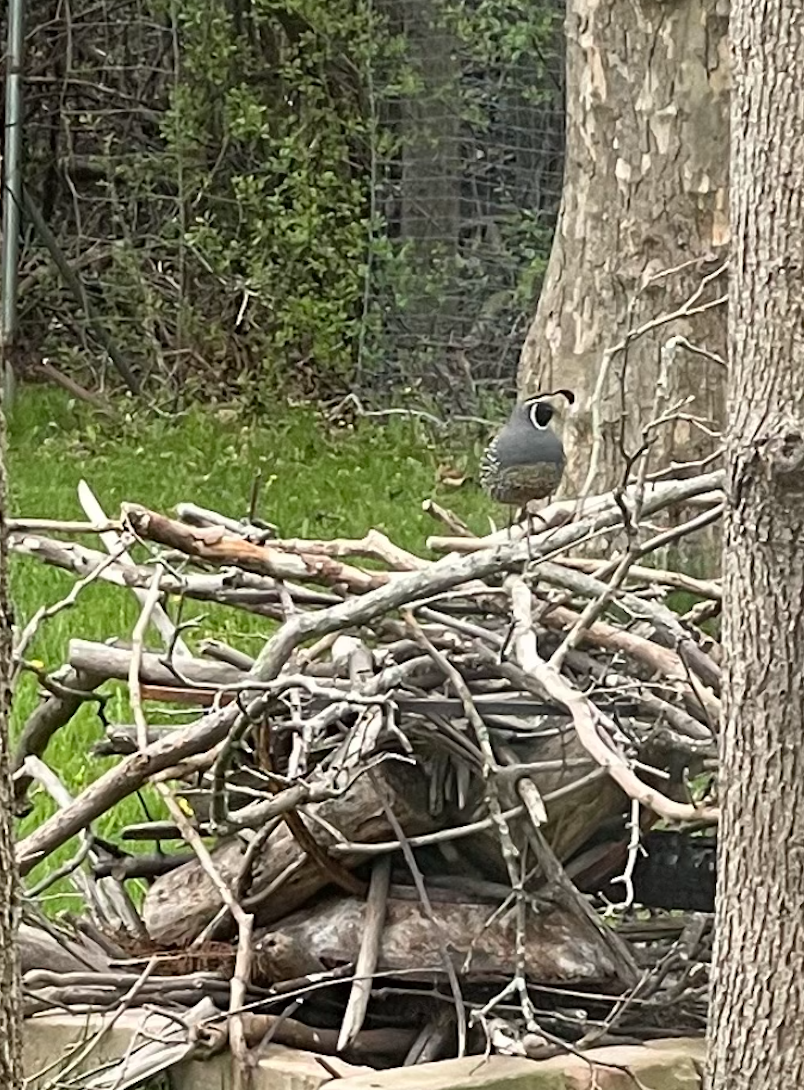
x: 12, y: 176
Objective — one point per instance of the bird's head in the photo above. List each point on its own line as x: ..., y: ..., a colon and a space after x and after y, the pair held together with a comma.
x: 545, y: 408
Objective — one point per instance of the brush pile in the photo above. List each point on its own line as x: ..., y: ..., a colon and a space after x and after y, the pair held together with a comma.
x: 404, y: 830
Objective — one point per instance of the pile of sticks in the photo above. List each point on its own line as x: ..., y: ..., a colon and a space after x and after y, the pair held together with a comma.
x: 395, y: 834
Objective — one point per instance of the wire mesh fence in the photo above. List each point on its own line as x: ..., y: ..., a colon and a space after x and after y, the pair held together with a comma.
x: 307, y: 195
x: 467, y: 185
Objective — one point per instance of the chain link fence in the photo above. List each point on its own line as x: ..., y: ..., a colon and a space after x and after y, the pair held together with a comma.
x: 305, y: 195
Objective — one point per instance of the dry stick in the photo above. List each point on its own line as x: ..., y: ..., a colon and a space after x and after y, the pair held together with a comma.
x: 44, y: 613
x: 587, y: 719
x: 448, y: 518
x: 218, y: 546
x: 558, y: 513
x: 203, y: 516
x: 105, y: 662
x: 75, y: 688
x: 561, y: 511
x: 62, y: 526
x: 704, y: 588
x: 105, y: 894
x: 591, y: 611
x: 427, y: 908
x: 374, y: 546
x: 231, y: 587
x: 634, y: 850
x: 72, y: 387
x: 671, y: 535
x: 556, y: 875
x: 113, y: 542
x: 373, y: 922
x: 457, y: 832
x: 510, y: 852
x: 245, y: 922
x: 129, y: 775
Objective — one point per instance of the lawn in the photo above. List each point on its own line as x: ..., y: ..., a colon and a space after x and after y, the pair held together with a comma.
x: 317, y: 479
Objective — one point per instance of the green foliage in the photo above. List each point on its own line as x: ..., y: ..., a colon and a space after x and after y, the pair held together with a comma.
x: 267, y: 132
x: 252, y: 226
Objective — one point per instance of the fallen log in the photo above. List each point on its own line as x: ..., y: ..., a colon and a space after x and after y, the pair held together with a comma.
x: 179, y: 905
x: 560, y: 947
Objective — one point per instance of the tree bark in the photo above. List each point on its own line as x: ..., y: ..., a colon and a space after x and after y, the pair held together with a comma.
x: 757, y: 1013
x: 10, y: 1005
x: 645, y: 190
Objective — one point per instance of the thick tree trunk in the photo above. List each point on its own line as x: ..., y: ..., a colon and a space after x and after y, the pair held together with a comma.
x: 10, y: 1008
x: 645, y: 190
x: 757, y: 1015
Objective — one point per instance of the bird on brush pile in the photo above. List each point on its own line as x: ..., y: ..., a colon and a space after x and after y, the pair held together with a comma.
x: 525, y: 460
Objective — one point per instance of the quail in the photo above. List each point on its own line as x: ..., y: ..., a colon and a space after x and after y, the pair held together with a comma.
x: 525, y: 460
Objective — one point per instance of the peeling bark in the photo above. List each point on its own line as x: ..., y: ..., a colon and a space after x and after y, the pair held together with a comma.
x: 645, y: 190
x: 757, y: 1014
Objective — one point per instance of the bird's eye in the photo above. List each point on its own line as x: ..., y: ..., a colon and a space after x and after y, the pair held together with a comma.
x: 541, y: 414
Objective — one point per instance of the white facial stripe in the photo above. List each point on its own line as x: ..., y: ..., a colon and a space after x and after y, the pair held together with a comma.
x: 532, y: 413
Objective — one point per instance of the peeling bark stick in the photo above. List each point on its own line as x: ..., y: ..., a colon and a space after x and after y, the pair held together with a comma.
x: 216, y: 546
x: 234, y: 586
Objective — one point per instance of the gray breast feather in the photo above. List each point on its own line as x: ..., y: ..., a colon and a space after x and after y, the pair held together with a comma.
x: 522, y: 464
x: 518, y: 445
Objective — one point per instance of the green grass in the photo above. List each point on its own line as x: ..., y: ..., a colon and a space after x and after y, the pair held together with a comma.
x: 317, y: 481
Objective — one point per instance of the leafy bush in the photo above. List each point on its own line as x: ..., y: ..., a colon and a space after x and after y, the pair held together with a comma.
x: 246, y: 226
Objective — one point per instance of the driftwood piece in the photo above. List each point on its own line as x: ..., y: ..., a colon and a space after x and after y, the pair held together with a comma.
x: 179, y: 905
x: 394, y: 1041
x: 58, y: 952
x: 561, y: 948
x: 105, y: 661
